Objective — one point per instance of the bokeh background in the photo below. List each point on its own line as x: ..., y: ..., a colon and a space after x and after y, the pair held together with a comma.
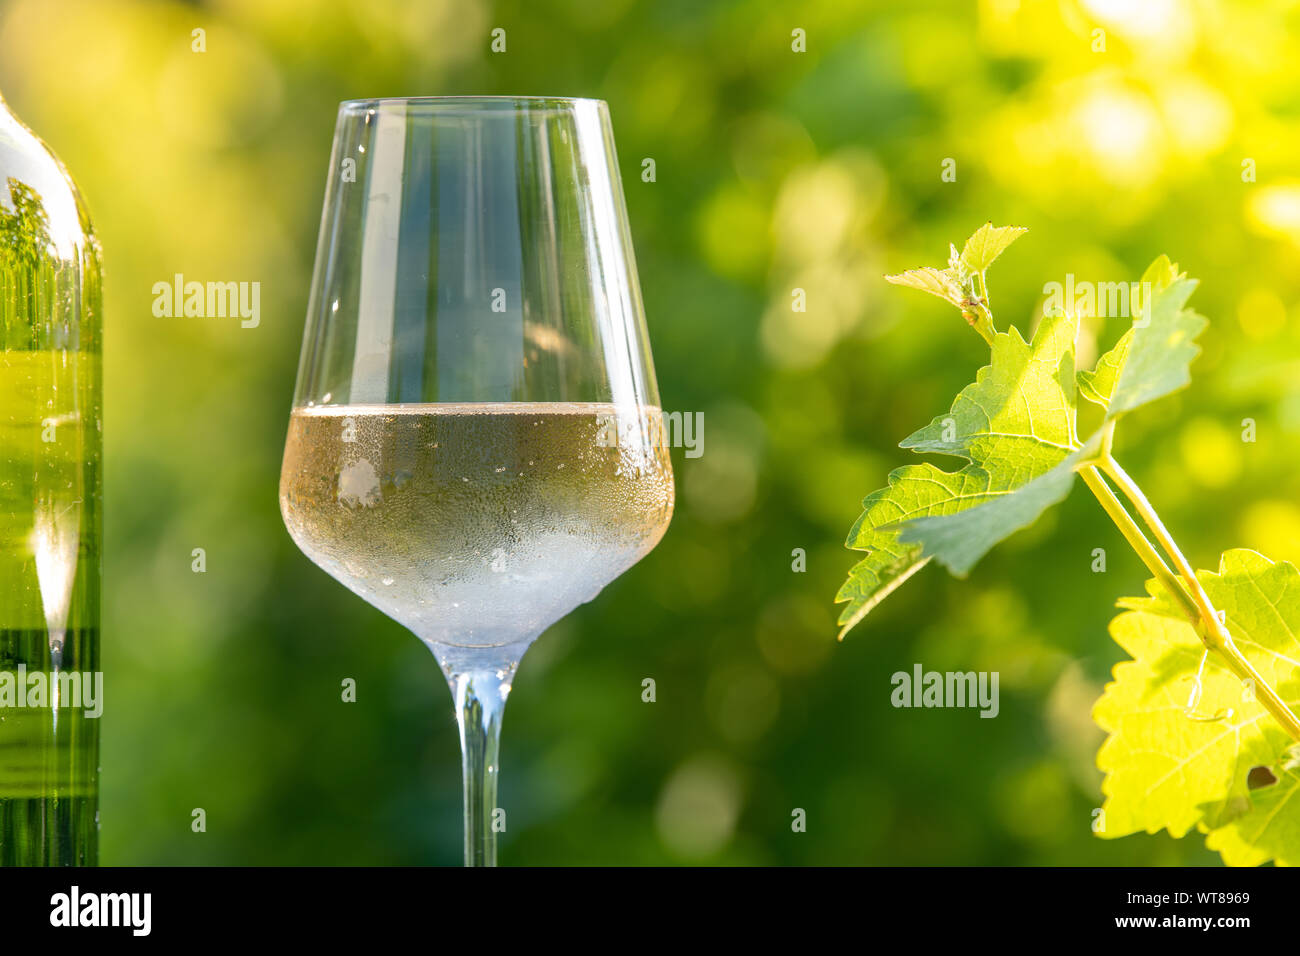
x: 775, y: 169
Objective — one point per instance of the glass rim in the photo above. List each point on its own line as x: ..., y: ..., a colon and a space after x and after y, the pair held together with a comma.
x: 471, y: 101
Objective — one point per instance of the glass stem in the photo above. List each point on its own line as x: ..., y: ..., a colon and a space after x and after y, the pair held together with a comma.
x: 480, y: 683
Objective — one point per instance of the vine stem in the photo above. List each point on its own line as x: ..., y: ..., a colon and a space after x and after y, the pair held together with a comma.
x: 1186, y: 587
x: 975, y: 309
x: 1137, y: 540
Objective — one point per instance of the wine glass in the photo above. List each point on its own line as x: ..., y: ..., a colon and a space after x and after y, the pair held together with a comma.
x: 476, y: 445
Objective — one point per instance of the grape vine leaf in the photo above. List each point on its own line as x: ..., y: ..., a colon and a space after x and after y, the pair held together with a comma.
x: 1153, y: 357
x: 1154, y: 362
x: 987, y: 243
x: 958, y: 539
x: 1015, y: 427
x: 1269, y: 830
x: 1096, y: 386
x: 934, y: 281
x: 1175, y: 759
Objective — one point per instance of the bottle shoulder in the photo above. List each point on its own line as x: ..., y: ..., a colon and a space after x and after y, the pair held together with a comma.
x: 38, y: 198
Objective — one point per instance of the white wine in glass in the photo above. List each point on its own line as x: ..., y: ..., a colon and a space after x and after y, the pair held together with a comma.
x: 476, y: 445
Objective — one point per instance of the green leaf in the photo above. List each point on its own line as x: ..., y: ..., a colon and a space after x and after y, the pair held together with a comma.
x: 1021, y: 405
x: 1015, y: 426
x: 1269, y: 830
x: 1160, y: 275
x: 1174, y: 768
x: 1098, y: 385
x: 1152, y: 358
x: 934, y: 281
x: 888, y: 562
x: 959, y: 538
x: 988, y: 242
x: 958, y: 283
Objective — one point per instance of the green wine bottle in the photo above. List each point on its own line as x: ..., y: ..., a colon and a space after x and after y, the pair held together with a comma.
x: 51, y: 439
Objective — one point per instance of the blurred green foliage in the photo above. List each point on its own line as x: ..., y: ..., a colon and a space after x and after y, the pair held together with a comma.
x: 775, y: 170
